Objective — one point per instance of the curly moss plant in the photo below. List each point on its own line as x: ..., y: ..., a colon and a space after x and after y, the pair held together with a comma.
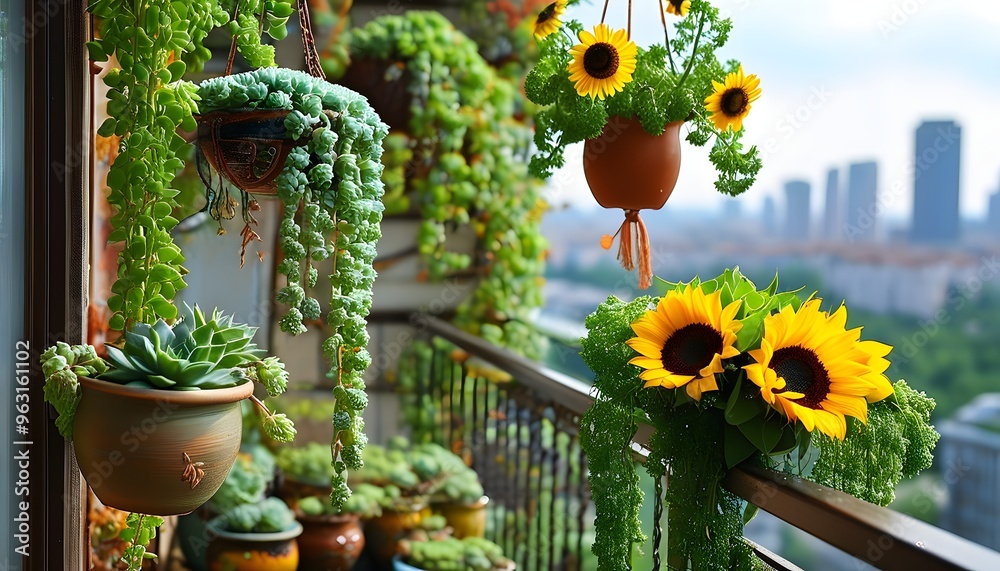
x: 331, y: 190
x: 670, y: 83
x: 463, y: 160
x: 700, y: 433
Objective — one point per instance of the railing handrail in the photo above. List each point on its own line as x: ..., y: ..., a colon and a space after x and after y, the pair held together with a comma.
x: 882, y: 537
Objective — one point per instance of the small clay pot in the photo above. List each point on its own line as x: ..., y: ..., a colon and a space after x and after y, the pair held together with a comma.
x: 386, y: 85
x: 382, y: 533
x: 628, y: 168
x: 130, y: 443
x: 229, y: 551
x: 247, y: 147
x: 466, y: 519
x: 329, y: 543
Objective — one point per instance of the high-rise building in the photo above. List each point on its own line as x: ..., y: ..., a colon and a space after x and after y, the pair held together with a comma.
x: 832, y: 214
x: 994, y: 216
x: 936, y: 182
x: 797, y: 210
x: 769, y: 217
x: 862, y: 202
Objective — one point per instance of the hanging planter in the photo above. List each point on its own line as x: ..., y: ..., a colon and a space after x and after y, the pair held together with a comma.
x: 386, y: 84
x: 628, y: 103
x: 163, y: 413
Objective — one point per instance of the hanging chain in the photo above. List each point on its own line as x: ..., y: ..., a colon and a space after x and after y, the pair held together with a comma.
x: 309, y: 42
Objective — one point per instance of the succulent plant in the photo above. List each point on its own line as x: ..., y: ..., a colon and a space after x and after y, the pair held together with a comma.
x: 445, y: 554
x: 269, y: 515
x: 61, y: 364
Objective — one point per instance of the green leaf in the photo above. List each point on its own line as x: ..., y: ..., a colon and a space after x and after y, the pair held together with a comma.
x: 96, y: 50
x: 744, y: 403
x: 737, y: 447
x: 749, y: 512
x: 176, y: 69
x: 771, y: 433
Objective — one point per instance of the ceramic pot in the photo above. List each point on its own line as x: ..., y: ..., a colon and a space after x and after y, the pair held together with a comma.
x: 329, y: 543
x: 382, y: 534
x: 131, y: 444
x: 386, y: 85
x: 247, y: 147
x: 229, y: 551
x: 399, y: 565
x: 291, y: 490
x: 467, y: 519
x: 628, y: 168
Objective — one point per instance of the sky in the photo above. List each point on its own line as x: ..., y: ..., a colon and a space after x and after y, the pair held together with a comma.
x: 843, y: 81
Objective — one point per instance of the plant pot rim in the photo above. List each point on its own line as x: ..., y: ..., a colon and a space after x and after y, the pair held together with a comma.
x: 240, y: 110
x: 290, y: 533
x: 328, y: 518
x: 200, y: 397
x: 399, y: 560
x: 634, y: 119
x: 480, y: 503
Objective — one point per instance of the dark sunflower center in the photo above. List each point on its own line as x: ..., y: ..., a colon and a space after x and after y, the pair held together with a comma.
x: 691, y: 348
x: 803, y: 373
x: 676, y: 4
x: 601, y: 60
x: 547, y: 14
x: 734, y: 101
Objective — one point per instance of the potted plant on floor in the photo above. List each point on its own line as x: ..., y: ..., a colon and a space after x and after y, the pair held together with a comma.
x: 459, y: 497
x: 629, y: 103
x: 727, y: 373
x: 163, y: 412
x: 255, y: 537
x: 332, y: 540
x: 433, y: 548
x: 304, y: 471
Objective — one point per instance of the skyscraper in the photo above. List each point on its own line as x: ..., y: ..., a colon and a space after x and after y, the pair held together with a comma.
x: 769, y: 216
x: 994, y: 215
x: 797, y: 210
x: 862, y: 202
x: 832, y: 214
x: 936, y: 182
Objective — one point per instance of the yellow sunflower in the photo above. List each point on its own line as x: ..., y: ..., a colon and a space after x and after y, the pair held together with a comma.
x: 548, y: 19
x: 814, y: 370
x: 678, y: 7
x: 603, y: 63
x: 730, y: 103
x: 683, y: 341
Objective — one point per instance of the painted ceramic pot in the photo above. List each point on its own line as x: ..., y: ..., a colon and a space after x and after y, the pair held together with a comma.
x: 628, y: 168
x: 247, y: 147
x: 229, y: 551
x: 329, y: 543
x: 157, y: 452
x: 467, y: 519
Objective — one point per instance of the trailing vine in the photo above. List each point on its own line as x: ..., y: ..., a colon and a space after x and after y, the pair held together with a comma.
x: 331, y: 190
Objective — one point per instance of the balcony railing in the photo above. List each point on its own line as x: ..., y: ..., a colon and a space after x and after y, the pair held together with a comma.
x: 516, y: 422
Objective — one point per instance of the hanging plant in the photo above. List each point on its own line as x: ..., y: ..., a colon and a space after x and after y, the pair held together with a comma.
x: 331, y: 189
x: 725, y: 374
x: 629, y: 103
x: 458, y: 154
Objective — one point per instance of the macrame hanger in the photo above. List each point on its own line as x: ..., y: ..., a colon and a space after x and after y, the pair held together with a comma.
x: 633, y: 230
x: 313, y: 65
x: 604, y: 15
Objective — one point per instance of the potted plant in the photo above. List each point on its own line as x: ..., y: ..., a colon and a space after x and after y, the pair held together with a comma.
x: 629, y: 103
x: 255, y: 537
x: 456, y: 177
x: 727, y: 373
x: 163, y: 410
x: 459, y: 496
x: 332, y: 540
x: 434, y: 549
x: 305, y: 471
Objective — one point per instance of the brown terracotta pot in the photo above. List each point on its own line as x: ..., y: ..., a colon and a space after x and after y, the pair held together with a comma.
x: 230, y: 551
x: 329, y: 543
x: 247, y: 147
x: 382, y: 534
x: 386, y: 85
x: 467, y: 519
x: 130, y: 443
x: 628, y: 168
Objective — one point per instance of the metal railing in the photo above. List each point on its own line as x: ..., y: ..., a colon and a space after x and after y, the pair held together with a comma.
x: 516, y: 422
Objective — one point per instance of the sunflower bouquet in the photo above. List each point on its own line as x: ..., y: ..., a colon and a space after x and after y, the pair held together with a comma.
x: 586, y: 77
x: 727, y: 373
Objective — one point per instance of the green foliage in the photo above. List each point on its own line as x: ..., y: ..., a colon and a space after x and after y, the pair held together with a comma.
x: 463, y: 160
x: 446, y: 554
x: 670, y: 83
x: 139, y: 531
x: 269, y: 515
x: 896, y: 442
x: 331, y: 189
x: 246, y: 27
x: 61, y: 365
x: 246, y: 482
x: 309, y: 464
x: 365, y: 501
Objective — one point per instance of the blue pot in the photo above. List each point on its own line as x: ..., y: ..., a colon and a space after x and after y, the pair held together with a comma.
x: 398, y: 565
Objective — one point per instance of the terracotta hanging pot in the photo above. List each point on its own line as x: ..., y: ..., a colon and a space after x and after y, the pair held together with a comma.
x: 329, y: 543
x: 628, y: 168
x: 386, y: 85
x: 229, y: 551
x: 156, y: 452
x: 247, y: 147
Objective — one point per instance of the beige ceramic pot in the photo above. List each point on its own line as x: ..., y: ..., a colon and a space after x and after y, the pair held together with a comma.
x: 135, y: 445
x: 628, y: 168
x: 467, y: 519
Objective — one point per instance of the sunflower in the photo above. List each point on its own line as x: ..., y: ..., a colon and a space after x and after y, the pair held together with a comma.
x: 548, y: 19
x: 684, y: 340
x: 678, y: 7
x: 730, y: 103
x: 603, y: 63
x: 814, y: 370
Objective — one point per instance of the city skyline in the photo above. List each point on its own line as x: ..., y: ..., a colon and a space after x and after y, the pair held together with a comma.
x: 936, y: 184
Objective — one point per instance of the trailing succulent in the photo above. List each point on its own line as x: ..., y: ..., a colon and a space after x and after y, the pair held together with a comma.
x: 446, y: 553
x: 462, y: 159
x: 669, y: 84
x: 197, y: 352
x: 331, y: 189
x: 268, y: 515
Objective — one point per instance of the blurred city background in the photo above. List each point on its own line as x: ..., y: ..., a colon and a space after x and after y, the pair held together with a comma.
x: 880, y: 188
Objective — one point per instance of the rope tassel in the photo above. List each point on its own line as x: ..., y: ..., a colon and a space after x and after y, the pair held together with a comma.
x: 625, y: 253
